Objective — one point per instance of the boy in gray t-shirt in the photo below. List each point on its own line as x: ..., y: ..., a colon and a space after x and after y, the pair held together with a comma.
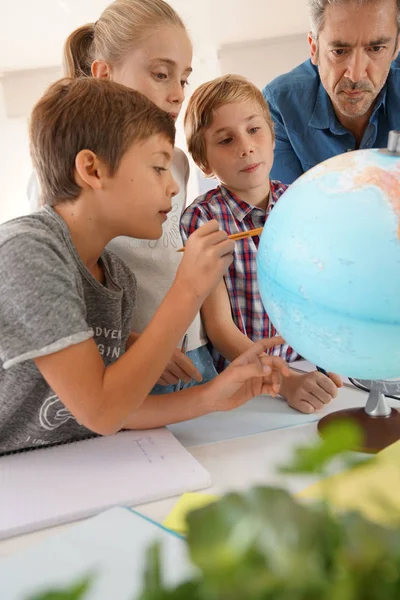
x: 69, y: 366
x: 52, y: 301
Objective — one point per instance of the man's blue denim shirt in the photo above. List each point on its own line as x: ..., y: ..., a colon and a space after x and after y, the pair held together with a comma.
x: 306, y: 127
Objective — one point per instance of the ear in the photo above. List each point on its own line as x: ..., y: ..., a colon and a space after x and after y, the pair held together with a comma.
x: 101, y: 69
x: 313, y: 49
x: 89, y: 170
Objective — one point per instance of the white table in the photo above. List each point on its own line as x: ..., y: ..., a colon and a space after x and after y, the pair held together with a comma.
x: 234, y: 464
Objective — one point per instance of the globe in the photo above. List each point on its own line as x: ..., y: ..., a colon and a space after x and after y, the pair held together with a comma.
x: 328, y: 265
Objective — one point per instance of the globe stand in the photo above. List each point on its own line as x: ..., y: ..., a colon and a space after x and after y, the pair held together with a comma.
x: 379, y: 422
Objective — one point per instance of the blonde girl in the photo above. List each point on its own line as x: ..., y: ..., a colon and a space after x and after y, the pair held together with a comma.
x: 143, y: 44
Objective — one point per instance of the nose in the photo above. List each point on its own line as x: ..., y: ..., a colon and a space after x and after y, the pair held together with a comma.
x: 176, y: 94
x: 245, y: 145
x: 356, y: 68
x: 172, y: 187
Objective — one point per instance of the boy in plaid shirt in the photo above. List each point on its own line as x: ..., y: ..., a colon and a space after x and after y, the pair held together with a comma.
x: 230, y: 136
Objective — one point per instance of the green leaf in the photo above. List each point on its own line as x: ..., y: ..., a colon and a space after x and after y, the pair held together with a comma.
x: 338, y: 438
x: 189, y: 590
x: 76, y: 592
x: 154, y: 588
x: 371, y: 558
x: 152, y: 575
x: 261, y: 542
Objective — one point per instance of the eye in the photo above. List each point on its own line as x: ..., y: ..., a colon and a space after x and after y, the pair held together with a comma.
x: 254, y: 130
x: 339, y: 52
x: 377, y: 49
x: 160, y: 76
x: 159, y: 170
x: 184, y: 83
x: 225, y: 141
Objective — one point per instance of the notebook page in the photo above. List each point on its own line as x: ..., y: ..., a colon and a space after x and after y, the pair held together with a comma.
x: 55, y: 485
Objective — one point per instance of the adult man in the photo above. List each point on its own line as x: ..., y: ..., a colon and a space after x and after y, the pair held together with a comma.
x: 347, y: 95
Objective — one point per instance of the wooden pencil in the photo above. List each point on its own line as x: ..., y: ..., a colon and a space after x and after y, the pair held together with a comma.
x: 239, y: 236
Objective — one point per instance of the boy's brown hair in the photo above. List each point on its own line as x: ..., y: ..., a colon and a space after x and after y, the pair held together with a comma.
x: 209, y: 97
x: 88, y: 114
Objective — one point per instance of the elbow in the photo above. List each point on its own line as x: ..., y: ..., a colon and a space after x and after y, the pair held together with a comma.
x: 100, y: 426
x: 100, y: 421
x: 104, y: 429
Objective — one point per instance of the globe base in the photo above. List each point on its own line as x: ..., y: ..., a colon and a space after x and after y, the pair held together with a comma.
x: 379, y: 432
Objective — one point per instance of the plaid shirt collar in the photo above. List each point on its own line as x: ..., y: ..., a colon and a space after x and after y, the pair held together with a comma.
x: 240, y: 209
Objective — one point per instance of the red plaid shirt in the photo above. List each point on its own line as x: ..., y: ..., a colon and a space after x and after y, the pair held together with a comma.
x: 236, y: 216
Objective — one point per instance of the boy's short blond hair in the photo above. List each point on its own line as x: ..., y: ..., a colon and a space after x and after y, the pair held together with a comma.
x: 88, y: 114
x: 208, y: 98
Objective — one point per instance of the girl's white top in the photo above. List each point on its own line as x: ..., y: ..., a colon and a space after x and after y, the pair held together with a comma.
x: 154, y: 262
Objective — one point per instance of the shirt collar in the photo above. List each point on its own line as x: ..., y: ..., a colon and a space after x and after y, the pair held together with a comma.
x: 240, y: 209
x: 324, y: 116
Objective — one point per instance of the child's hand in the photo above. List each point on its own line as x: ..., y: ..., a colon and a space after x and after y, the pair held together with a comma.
x: 179, y: 367
x: 251, y: 374
x: 310, y: 392
x: 208, y: 254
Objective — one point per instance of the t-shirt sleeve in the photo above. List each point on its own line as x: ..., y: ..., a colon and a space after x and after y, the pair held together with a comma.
x: 42, y: 306
x: 193, y: 218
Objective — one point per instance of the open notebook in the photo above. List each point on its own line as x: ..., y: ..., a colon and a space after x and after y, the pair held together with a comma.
x: 54, y: 485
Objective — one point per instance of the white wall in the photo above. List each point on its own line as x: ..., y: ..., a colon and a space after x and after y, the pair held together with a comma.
x: 22, y: 89
x: 14, y: 163
x: 261, y: 61
x: 19, y: 91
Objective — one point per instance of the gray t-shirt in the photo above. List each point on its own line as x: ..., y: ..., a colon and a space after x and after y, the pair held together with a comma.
x: 49, y: 301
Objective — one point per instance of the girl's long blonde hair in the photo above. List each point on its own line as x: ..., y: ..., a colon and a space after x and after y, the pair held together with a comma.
x: 121, y: 26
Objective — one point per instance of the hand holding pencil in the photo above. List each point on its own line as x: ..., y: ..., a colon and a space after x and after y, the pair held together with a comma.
x: 240, y: 235
x: 208, y: 255
x: 310, y: 392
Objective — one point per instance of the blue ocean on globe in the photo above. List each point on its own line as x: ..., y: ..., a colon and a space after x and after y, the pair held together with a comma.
x: 328, y: 265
